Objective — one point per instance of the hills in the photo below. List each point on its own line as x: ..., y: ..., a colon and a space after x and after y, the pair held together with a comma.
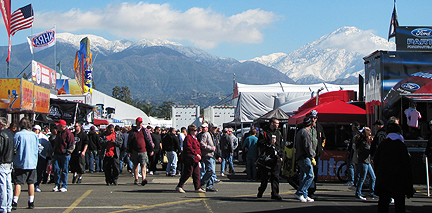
x: 160, y: 70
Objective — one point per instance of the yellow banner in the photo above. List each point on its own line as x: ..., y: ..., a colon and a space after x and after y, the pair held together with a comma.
x: 41, y: 99
x: 27, y: 95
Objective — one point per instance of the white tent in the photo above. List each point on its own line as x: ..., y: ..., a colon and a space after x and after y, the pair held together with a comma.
x: 123, y: 111
x: 256, y: 100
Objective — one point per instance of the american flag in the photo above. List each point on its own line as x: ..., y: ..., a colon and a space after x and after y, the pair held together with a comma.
x: 21, y: 19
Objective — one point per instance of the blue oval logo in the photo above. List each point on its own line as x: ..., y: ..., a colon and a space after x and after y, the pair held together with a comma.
x: 410, y: 87
x: 43, y: 39
x: 422, y: 32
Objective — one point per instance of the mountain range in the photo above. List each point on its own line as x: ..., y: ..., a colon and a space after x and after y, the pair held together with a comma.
x: 160, y: 70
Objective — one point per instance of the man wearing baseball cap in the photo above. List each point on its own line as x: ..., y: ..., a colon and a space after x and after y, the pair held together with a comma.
x: 139, y: 143
x: 64, y: 145
x: 318, y: 139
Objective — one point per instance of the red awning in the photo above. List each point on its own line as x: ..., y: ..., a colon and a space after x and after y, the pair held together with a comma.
x: 100, y: 122
x: 337, y: 112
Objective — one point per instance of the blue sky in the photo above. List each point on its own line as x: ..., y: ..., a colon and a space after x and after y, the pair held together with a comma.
x: 228, y: 28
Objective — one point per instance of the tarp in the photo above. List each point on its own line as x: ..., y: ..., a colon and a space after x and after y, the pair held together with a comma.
x: 276, y: 113
x: 335, y: 112
x: 100, y: 122
x: 256, y: 100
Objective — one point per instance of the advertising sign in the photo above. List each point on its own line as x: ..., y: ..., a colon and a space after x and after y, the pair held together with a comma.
x: 43, y: 76
x: 10, y: 93
x: 26, y: 94
x: 329, y: 163
x: 414, y: 38
x: 41, y: 99
x: 42, y: 40
x: 85, y: 99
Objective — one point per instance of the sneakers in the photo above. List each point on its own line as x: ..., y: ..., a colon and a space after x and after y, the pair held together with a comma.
x: 222, y: 174
x: 151, y: 173
x: 144, y: 182
x: 199, y: 191
x: 79, y: 180
x: 313, y: 196
x: 276, y: 197
x: 14, y: 206
x: 349, y: 184
x: 211, y: 190
x: 31, y: 205
x: 139, y: 175
x: 63, y: 190
x: 37, y: 189
x: 180, y: 189
x: 217, y: 181
x: 155, y: 173
x: 360, y: 198
x: 74, y: 179
x: 373, y: 196
x: 353, y: 188
x: 136, y: 182
x: 55, y: 189
x: 301, y: 198
x: 391, y: 200
x: 309, y: 200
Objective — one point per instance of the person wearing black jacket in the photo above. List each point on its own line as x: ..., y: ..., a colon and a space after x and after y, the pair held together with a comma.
x: 111, y: 142
x: 7, y: 149
x: 318, y: 137
x: 171, y: 145
x: 157, y: 139
x: 77, y: 162
x: 93, y: 148
x: 271, y: 137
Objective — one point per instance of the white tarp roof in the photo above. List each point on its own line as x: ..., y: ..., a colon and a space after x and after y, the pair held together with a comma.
x: 123, y: 111
x: 256, y: 100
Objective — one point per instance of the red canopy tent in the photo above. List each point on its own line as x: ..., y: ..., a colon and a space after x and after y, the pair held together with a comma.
x: 100, y: 122
x: 335, y: 112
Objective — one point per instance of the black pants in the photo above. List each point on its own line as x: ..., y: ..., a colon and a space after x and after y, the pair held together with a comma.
x: 384, y: 200
x: 111, y: 169
x: 154, y: 160
x: 274, y: 177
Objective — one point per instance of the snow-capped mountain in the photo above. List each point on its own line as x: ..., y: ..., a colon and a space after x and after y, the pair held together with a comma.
x: 106, y: 47
x: 333, y: 56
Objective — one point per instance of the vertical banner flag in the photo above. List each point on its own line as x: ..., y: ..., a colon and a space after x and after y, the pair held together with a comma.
x: 42, y: 40
x: 21, y: 19
x: 5, y: 7
x: 393, y: 23
x: 82, y: 65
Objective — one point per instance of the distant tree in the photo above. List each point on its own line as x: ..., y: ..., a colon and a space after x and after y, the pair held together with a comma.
x: 123, y: 94
x: 164, y: 110
x: 147, y: 108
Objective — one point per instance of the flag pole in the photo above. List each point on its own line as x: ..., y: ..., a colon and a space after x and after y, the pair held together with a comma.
x: 55, y: 47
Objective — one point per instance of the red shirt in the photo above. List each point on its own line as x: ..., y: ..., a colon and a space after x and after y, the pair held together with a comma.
x: 110, y: 147
x: 141, y: 144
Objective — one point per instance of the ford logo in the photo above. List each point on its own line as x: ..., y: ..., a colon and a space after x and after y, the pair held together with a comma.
x: 410, y: 87
x: 422, y: 32
x: 43, y: 39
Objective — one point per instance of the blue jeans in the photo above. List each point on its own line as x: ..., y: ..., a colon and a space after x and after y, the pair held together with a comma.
x: 210, y: 172
x: 251, y: 169
x: 172, y: 163
x: 6, y: 192
x: 92, y: 159
x: 61, y: 170
x: 306, y: 176
x: 227, y: 156
x: 350, y: 168
x: 363, y: 170
x: 125, y: 159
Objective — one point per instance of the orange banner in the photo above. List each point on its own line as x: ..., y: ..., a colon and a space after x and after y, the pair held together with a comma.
x: 27, y: 95
x: 41, y: 99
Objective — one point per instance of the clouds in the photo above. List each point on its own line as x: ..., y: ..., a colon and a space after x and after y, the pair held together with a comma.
x: 203, y: 27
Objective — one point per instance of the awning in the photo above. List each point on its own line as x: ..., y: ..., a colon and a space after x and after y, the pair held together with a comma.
x: 335, y: 112
x: 100, y: 122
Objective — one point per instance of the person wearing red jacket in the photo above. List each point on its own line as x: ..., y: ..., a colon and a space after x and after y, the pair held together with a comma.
x: 191, y: 157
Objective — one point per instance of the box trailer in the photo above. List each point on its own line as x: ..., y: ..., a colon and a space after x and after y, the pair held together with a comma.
x: 219, y: 114
x: 185, y: 115
x: 398, y: 83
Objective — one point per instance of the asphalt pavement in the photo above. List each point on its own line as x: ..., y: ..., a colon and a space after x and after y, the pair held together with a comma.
x: 235, y: 195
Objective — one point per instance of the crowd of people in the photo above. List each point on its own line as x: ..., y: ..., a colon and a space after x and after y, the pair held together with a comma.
x: 37, y: 156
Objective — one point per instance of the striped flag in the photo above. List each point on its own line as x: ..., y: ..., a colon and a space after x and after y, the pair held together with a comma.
x: 21, y: 19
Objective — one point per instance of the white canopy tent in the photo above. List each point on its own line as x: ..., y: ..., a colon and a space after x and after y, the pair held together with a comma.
x: 256, y: 100
x: 123, y: 111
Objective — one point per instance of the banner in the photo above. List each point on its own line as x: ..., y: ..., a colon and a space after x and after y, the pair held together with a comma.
x: 42, y: 40
x: 27, y: 95
x: 43, y: 76
x: 329, y: 164
x: 41, y: 99
x: 414, y: 39
x: 10, y: 93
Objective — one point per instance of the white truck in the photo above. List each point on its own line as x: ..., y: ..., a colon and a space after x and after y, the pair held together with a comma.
x: 219, y: 114
x: 185, y: 115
